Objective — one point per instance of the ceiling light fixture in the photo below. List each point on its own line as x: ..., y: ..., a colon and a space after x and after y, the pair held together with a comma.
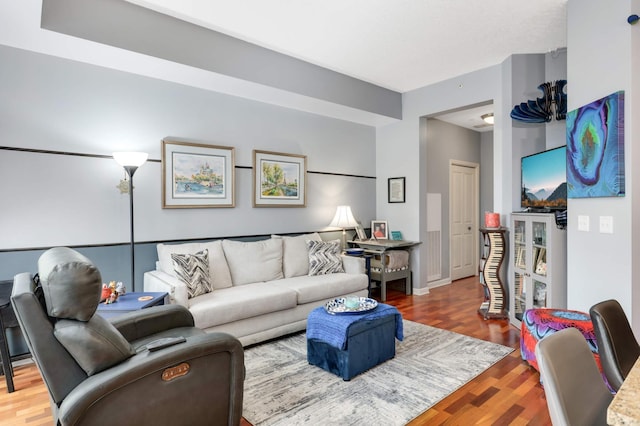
x: 487, y: 118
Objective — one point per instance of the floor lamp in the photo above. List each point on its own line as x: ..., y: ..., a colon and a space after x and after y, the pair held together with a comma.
x: 130, y: 161
x: 344, y: 219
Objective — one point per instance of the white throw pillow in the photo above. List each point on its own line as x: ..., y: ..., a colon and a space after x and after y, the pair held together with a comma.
x: 295, y: 254
x: 218, y: 269
x: 252, y: 262
x: 193, y: 271
x: 324, y: 257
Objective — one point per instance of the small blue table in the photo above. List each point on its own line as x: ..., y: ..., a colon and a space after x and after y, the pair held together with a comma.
x: 347, y: 345
x: 131, y: 302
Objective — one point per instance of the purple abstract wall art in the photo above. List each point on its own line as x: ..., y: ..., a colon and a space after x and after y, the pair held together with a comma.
x: 595, y: 149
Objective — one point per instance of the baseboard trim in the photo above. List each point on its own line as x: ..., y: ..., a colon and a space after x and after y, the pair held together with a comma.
x: 439, y: 283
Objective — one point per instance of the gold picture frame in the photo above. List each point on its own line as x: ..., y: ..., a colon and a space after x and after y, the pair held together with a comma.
x: 197, y: 175
x: 279, y: 179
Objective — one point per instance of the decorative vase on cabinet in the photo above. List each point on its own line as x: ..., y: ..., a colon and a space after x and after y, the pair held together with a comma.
x: 539, y: 264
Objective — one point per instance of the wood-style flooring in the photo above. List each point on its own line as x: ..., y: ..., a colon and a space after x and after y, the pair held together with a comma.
x: 508, y: 393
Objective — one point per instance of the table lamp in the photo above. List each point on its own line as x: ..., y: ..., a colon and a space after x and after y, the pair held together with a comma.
x: 344, y: 219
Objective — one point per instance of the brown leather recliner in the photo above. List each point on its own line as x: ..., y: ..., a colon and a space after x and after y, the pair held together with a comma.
x: 101, y: 372
x: 617, y: 345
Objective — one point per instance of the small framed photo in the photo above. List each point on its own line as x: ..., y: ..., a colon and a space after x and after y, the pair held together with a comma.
x: 396, y: 190
x: 379, y: 229
x: 362, y: 236
x: 396, y: 235
x: 279, y: 180
x: 197, y: 175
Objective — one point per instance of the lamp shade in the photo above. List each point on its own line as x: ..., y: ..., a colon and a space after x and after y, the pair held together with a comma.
x: 135, y: 159
x: 344, y: 218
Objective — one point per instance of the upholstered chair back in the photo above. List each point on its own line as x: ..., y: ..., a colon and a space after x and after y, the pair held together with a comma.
x: 66, y: 338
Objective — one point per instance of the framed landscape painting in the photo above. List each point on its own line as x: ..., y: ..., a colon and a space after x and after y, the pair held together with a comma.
x: 279, y: 180
x: 197, y: 175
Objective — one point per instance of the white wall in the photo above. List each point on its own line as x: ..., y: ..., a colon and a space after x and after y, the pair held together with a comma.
x: 401, y: 151
x: 602, y: 59
x: 400, y: 146
x: 61, y: 105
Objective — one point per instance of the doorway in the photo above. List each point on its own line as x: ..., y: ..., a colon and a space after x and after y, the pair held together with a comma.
x: 463, y: 217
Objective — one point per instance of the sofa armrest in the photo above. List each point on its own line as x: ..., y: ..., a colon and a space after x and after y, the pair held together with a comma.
x: 145, y: 322
x: 353, y: 264
x: 212, y: 387
x: 163, y: 282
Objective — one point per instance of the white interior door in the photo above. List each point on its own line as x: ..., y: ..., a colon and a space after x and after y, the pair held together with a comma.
x: 463, y: 213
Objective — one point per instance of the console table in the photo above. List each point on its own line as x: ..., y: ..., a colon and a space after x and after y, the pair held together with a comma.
x: 379, y: 272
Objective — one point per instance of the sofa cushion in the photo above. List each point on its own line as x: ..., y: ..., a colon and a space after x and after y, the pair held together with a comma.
x: 255, y: 261
x: 295, y: 254
x: 240, y: 302
x: 324, y: 257
x: 323, y: 287
x: 193, y: 271
x: 218, y: 269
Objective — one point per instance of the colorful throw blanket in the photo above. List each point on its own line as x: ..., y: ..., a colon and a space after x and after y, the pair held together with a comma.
x: 334, y: 329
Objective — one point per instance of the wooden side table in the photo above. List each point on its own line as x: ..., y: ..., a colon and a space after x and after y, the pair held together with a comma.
x: 13, y: 349
x: 379, y: 273
x: 7, y: 368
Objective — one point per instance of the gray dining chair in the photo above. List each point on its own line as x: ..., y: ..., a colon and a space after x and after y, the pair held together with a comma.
x: 575, y: 391
x: 617, y: 345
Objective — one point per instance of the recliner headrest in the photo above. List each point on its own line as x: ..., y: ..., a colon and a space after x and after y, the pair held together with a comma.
x: 71, y: 284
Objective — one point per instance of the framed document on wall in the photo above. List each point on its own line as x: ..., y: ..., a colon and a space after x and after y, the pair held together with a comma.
x: 397, y: 190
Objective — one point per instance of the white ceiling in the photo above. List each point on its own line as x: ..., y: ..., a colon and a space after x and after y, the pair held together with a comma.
x: 470, y: 118
x: 397, y: 44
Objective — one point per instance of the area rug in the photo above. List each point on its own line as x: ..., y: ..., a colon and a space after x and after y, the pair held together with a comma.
x: 281, y: 388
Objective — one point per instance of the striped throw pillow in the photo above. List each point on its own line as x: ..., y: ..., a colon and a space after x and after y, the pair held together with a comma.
x: 324, y: 257
x: 193, y: 271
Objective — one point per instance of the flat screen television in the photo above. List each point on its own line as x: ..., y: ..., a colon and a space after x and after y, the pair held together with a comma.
x: 544, y: 180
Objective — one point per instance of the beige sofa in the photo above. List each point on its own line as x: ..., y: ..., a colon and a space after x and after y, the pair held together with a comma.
x: 261, y: 289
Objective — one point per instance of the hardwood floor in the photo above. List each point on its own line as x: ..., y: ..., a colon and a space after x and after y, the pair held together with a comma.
x: 508, y: 393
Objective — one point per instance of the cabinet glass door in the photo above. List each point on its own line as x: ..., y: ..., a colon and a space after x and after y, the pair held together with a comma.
x: 520, y: 238
x: 539, y: 294
x: 520, y: 296
x: 539, y: 260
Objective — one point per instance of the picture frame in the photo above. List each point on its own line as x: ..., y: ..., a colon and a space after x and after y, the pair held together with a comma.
x: 362, y: 236
x: 279, y: 179
x: 197, y: 175
x: 396, y: 235
x: 396, y: 190
x: 379, y: 230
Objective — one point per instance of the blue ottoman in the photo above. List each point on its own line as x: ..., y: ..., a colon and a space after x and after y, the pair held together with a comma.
x: 347, y: 345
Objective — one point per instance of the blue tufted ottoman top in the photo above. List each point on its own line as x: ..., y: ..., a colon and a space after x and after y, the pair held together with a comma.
x: 334, y: 329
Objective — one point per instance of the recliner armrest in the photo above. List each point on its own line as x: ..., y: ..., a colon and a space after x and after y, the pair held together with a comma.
x: 145, y: 322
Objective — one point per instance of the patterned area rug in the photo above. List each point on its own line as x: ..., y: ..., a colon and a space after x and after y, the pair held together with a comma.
x: 281, y: 388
